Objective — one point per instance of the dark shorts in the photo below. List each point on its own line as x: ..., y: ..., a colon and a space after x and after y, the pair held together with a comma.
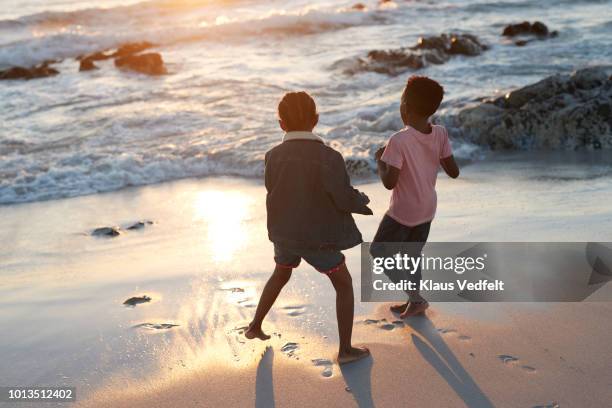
x: 390, y: 230
x: 324, y: 261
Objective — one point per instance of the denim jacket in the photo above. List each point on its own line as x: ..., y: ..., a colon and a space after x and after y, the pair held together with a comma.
x: 310, y: 198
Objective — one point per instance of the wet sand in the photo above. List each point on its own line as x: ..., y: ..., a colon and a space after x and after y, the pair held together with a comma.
x: 203, y: 263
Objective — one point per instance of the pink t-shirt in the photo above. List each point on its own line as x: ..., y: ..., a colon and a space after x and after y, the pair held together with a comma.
x: 417, y: 155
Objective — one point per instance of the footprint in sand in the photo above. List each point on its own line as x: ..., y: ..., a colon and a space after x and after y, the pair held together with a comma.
x: 507, y: 359
x: 384, y: 325
x: 290, y: 349
x: 374, y: 321
x: 447, y: 331
x: 324, y: 362
x: 155, y: 326
x: 233, y: 289
x: 551, y: 405
x: 295, y: 310
x: 463, y: 337
x: 240, y: 329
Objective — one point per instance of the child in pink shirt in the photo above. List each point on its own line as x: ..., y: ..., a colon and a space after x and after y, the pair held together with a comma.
x: 409, y: 166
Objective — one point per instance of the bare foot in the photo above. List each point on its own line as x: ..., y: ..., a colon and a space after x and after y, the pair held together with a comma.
x: 253, y: 332
x: 414, y: 309
x: 354, y: 354
x: 399, y: 308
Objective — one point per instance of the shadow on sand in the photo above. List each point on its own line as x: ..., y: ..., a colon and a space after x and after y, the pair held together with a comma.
x: 357, y: 378
x: 264, y: 386
x: 441, y: 357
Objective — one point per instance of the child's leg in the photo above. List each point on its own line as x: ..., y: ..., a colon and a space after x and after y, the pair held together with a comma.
x: 417, y: 303
x: 275, y: 284
x: 390, y: 231
x: 343, y: 284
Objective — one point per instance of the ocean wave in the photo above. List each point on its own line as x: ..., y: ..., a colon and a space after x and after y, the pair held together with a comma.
x: 91, y: 30
x: 33, y: 173
x: 497, y: 6
x: 82, y: 174
x: 85, y: 16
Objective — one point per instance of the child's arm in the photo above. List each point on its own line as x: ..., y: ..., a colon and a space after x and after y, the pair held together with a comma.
x: 338, y: 185
x: 387, y: 173
x: 447, y: 160
x: 450, y: 166
x: 267, y: 174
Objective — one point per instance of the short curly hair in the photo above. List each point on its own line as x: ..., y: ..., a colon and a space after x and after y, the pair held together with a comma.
x: 423, y: 95
x: 298, y: 111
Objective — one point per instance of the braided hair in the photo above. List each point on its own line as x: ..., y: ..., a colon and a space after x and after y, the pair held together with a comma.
x: 298, y: 111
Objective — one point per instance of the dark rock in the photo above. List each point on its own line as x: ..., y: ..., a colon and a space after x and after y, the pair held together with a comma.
x: 131, y: 48
x: 537, y: 29
x: 125, y: 50
x: 96, y: 56
x: 136, y: 300
x: 139, y: 225
x: 392, y: 62
x: 559, y: 112
x: 16, y: 73
x: 149, y: 64
x: 38, y: 71
x: 465, y: 45
x: 106, y: 232
x: 428, y: 50
x: 87, y: 65
x: 512, y: 30
x: 440, y: 42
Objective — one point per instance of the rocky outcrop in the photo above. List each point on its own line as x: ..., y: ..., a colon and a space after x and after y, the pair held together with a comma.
x: 96, y: 56
x: 525, y: 29
x: 428, y: 50
x: 38, y: 71
x: 131, y: 49
x: 149, y: 63
x: 123, y: 50
x: 87, y: 65
x: 127, y: 55
x: 559, y: 112
x: 143, y: 63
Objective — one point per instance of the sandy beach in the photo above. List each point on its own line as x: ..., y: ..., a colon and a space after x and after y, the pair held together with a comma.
x: 133, y: 229
x: 62, y: 293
